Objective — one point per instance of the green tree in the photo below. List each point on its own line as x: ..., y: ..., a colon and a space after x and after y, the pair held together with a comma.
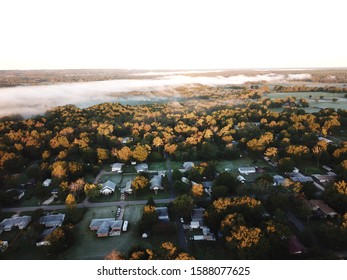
x: 183, y: 205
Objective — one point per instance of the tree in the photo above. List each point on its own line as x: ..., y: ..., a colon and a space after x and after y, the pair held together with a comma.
x: 124, y: 154
x: 139, y: 183
x: 197, y: 190
x: 286, y: 164
x: 183, y: 205
x: 157, y: 142
x: 140, y: 153
x: 92, y: 190
x: 149, y: 218
x: 219, y: 191
x: 228, y: 180
x: 318, y: 149
x: 70, y: 202
x: 114, y: 255
x: 180, y: 187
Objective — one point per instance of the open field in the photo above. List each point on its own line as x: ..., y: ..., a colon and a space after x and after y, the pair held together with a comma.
x: 315, y: 102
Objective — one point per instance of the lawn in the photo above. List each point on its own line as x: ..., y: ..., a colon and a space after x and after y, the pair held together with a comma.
x: 209, y: 250
x: 89, y: 247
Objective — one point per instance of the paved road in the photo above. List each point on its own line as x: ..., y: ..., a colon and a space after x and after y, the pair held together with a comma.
x: 85, y: 204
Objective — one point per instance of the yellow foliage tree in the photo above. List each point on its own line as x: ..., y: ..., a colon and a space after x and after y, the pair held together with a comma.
x: 114, y: 255
x: 139, y: 183
x: 70, y: 201
x: 197, y: 190
x: 170, y: 148
x: 102, y: 154
x: 140, y: 153
x: 341, y: 187
x: 245, y: 237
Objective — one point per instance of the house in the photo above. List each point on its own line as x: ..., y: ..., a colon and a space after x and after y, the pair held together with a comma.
x: 127, y: 140
x: 323, y: 179
x: 319, y: 205
x: 325, y: 139
x: 117, y: 167
x: 197, y: 218
x: 108, y: 187
x: 156, y: 183
x: 3, y: 245
x: 127, y: 189
x: 295, y: 247
x: 185, y: 180
x: 17, y: 221
x: 52, y: 220
x: 17, y: 194
x: 301, y: 178
x: 42, y: 240
x: 163, y: 214
x: 47, y: 183
x: 141, y: 167
x: 278, y: 180
x: 188, y: 165
x: 208, y: 186
x: 247, y: 170
x: 106, y: 227
x: 241, y: 179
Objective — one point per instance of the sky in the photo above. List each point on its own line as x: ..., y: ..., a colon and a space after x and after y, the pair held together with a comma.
x: 165, y: 34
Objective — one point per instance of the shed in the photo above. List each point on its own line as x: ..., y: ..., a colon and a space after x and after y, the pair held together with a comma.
x: 47, y: 183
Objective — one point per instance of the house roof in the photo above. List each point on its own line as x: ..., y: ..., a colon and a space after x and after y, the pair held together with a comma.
x: 320, y: 204
x: 103, y: 226
x: 247, y: 169
x: 301, y: 179
x: 19, y: 221
x: 98, y: 222
x: 323, y: 178
x: 52, y: 220
x: 127, y: 187
x: 156, y: 182
x: 117, y: 165
x: 295, y: 246
x: 141, y: 167
x: 188, y: 165
x: 163, y: 213
x: 109, y: 185
x: 197, y: 214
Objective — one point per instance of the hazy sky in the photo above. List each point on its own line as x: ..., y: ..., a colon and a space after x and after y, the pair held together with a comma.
x: 165, y: 34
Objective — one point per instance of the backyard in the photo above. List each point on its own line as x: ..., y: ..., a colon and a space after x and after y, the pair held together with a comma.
x: 89, y: 247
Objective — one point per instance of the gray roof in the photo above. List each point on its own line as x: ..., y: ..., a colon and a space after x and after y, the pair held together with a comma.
x: 103, y: 226
x: 52, y: 220
x: 117, y: 165
x: 156, y: 182
x: 163, y: 213
x: 247, y: 169
x: 19, y: 221
x: 109, y: 185
x: 188, y: 165
x: 197, y: 214
x: 142, y: 167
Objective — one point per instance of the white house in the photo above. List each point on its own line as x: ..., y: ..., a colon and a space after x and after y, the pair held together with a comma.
x: 47, y: 183
x: 156, y: 183
x: 17, y: 221
x: 127, y: 188
x: 278, y: 180
x: 188, y: 165
x: 108, y: 187
x: 141, y: 167
x: 247, y: 170
x: 117, y: 167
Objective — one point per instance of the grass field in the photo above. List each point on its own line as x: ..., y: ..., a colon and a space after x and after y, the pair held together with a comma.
x: 314, y: 105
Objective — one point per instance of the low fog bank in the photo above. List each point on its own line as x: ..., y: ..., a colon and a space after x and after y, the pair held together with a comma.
x: 33, y: 100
